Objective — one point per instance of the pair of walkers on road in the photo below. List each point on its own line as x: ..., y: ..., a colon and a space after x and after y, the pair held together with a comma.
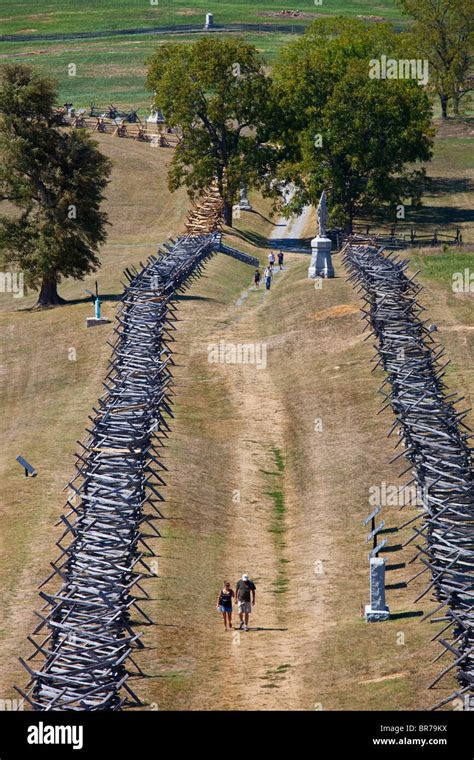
x: 244, y: 595
x: 267, y: 277
x: 271, y: 259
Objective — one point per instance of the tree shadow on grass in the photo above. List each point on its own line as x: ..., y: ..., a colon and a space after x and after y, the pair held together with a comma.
x: 87, y: 299
x: 449, y: 185
x: 266, y: 219
x: 298, y: 245
x: 440, y: 216
x: 192, y: 298
x: 108, y: 297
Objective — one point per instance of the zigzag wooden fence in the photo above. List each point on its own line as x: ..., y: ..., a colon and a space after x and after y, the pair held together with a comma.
x: 85, y: 625
x: 436, y: 441
x: 206, y: 214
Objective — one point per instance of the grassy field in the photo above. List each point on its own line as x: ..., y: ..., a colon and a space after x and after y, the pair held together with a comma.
x: 112, y: 70
x: 303, y: 494
x: 63, y: 16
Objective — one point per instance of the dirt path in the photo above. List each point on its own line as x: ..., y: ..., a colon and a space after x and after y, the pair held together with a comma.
x: 263, y: 668
x: 270, y: 470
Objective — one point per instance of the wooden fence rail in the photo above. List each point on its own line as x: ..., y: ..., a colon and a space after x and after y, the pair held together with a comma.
x: 86, y: 635
x: 436, y: 445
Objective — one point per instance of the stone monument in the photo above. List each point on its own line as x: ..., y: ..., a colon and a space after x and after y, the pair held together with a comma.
x: 377, y: 609
x: 156, y: 116
x: 244, y: 202
x: 209, y: 21
x: 321, y: 262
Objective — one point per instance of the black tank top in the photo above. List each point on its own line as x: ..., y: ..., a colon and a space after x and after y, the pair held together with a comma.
x: 226, y: 598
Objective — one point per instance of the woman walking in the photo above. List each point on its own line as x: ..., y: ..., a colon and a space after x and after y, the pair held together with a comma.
x: 268, y: 278
x: 257, y: 278
x: 224, y: 604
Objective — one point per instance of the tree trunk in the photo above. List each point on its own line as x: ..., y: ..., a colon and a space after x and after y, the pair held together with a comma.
x: 49, y: 295
x: 456, y: 104
x: 228, y: 213
x: 444, y: 106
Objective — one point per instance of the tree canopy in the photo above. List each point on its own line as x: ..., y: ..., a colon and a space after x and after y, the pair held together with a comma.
x: 216, y: 92
x: 55, y: 179
x: 341, y: 130
x: 443, y: 33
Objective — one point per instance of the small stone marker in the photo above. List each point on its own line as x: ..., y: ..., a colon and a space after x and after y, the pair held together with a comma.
x: 209, y: 21
x: 377, y: 609
x: 321, y: 245
x: 156, y: 116
x: 244, y: 202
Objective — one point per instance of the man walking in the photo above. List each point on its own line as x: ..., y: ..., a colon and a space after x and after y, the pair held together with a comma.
x: 244, y: 590
x: 280, y: 259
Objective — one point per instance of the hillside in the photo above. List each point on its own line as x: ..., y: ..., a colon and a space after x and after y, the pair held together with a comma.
x: 303, y: 494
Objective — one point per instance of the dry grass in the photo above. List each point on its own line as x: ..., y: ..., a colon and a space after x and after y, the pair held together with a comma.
x: 303, y: 493
x: 46, y: 397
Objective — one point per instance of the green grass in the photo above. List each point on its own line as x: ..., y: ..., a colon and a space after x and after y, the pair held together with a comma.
x: 440, y: 270
x: 113, y: 69
x: 63, y: 16
x: 442, y: 266
x: 278, y: 526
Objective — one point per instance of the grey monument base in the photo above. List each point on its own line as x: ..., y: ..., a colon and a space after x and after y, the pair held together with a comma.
x: 375, y: 616
x: 93, y: 321
x: 377, y: 610
x: 209, y: 22
x: 321, y: 262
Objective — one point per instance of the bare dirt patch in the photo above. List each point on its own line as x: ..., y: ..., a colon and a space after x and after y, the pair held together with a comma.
x: 336, y: 311
x: 460, y: 126
x: 290, y: 14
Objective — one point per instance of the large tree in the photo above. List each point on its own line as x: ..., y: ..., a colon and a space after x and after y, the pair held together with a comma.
x: 340, y: 130
x: 216, y: 92
x: 443, y: 33
x: 54, y: 180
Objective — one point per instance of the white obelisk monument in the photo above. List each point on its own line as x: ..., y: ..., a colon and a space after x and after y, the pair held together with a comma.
x: 321, y: 262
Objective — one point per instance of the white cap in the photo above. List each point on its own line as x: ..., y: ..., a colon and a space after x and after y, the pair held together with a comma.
x: 245, y: 577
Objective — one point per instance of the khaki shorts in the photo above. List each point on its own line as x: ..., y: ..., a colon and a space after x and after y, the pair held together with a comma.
x: 245, y: 607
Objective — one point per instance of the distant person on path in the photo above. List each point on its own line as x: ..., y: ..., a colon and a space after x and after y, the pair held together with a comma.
x: 271, y: 259
x: 268, y: 278
x: 224, y: 604
x: 280, y: 259
x: 257, y: 277
x: 243, y: 591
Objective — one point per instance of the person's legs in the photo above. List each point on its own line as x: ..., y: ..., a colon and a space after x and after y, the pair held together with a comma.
x: 224, y: 615
x: 246, y: 619
x: 229, y: 615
